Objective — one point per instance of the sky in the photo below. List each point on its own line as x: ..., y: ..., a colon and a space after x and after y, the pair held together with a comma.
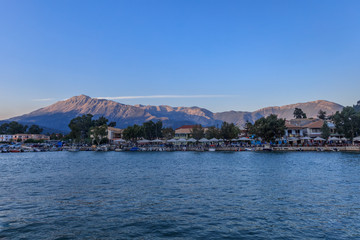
x: 221, y: 55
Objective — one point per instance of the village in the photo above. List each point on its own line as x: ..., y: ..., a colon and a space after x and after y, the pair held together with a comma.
x: 299, y: 134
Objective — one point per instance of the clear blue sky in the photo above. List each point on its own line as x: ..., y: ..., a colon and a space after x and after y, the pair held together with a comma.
x: 250, y: 54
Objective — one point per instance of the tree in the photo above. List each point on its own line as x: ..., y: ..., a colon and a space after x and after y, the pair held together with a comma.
x: 15, y: 127
x: 322, y: 114
x: 248, y: 126
x: 133, y: 132
x: 98, y: 133
x: 152, y: 130
x: 80, y: 127
x: 213, y: 132
x: 168, y: 133
x: 269, y: 128
x: 197, y: 132
x: 100, y: 121
x: 325, y: 131
x: 347, y: 122
x: 229, y: 131
x: 112, y: 124
x: 34, y: 129
x: 4, y: 128
x: 298, y: 113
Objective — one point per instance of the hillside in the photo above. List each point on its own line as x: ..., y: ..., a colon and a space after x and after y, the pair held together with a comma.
x: 58, y: 115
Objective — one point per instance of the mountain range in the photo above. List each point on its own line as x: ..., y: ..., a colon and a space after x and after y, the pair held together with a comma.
x: 58, y: 115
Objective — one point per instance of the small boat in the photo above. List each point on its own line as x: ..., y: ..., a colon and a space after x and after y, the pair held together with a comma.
x: 212, y: 149
x: 15, y: 150
x: 118, y: 150
x: 134, y: 149
x: 73, y: 150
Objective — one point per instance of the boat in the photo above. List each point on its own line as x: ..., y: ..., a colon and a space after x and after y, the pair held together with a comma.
x: 118, y: 150
x: 212, y: 149
x: 134, y: 149
x: 73, y: 150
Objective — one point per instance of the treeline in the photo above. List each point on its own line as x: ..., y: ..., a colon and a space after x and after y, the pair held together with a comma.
x: 16, y: 128
x: 87, y: 130
x: 149, y: 130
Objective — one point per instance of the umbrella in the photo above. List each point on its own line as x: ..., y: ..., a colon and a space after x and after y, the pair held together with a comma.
x: 305, y: 138
x: 244, y: 139
x: 234, y: 140
x: 319, y: 139
x: 119, y: 140
x: 204, y: 140
x: 191, y: 140
x: 157, y: 141
x: 214, y: 140
x: 182, y: 140
x: 293, y: 139
x: 334, y: 139
x: 357, y: 139
x: 343, y: 139
x: 144, y: 141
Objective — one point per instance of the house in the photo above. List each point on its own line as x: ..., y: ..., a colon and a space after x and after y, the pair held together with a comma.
x: 293, y: 130
x: 5, y: 138
x: 313, y: 129
x: 21, y: 137
x: 114, y: 133
x: 185, y: 131
x: 303, y: 127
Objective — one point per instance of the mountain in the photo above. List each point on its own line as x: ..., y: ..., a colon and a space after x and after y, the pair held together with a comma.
x: 58, y: 115
x: 310, y: 108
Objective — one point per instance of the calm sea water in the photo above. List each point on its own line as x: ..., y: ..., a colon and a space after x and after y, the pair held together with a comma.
x: 179, y: 195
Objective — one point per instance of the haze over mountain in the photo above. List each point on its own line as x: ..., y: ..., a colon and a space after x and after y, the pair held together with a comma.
x: 58, y: 115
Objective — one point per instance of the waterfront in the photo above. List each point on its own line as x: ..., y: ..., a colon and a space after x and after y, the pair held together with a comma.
x: 198, y: 195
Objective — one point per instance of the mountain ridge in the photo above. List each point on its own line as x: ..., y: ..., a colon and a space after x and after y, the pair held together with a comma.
x: 59, y: 114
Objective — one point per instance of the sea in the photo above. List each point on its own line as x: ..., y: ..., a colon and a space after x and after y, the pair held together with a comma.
x: 180, y: 195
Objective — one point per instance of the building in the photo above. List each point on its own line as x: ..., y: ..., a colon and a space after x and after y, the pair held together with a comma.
x: 313, y: 129
x: 303, y: 127
x: 114, y: 134
x: 21, y: 137
x: 185, y: 131
x: 5, y: 138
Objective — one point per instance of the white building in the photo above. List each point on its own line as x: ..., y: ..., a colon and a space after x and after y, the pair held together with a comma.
x: 6, y: 138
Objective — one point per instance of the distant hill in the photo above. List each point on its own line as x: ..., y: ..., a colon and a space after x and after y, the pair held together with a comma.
x: 310, y: 108
x: 58, y: 115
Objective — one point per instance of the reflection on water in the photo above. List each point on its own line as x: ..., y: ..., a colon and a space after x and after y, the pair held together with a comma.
x: 179, y: 195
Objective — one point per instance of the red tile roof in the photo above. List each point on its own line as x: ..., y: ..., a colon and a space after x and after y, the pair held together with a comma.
x: 317, y: 124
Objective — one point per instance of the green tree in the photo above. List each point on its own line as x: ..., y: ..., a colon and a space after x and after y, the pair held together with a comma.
x: 298, y: 113
x: 213, y: 132
x: 34, y: 129
x: 100, y: 121
x: 322, y: 114
x: 197, y: 132
x: 325, y: 131
x: 98, y: 133
x: 4, y: 128
x: 269, y: 128
x: 112, y: 124
x: 80, y: 127
x: 229, y: 131
x: 168, y: 133
x: 347, y: 122
x: 15, y: 127
x: 133, y: 132
x: 248, y: 126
